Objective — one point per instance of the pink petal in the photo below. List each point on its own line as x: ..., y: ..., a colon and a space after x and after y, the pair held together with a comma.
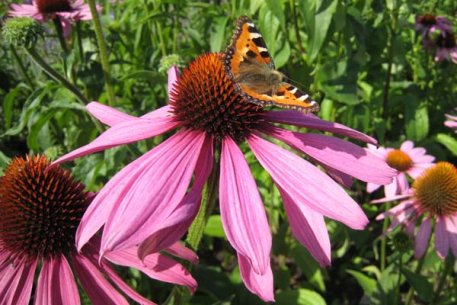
x: 122, y: 133
x: 261, y: 285
x: 451, y: 227
x: 179, y: 250
x: 156, y: 193
x: 391, y: 189
x: 403, y: 185
x: 173, y: 75
x: 371, y: 187
x: 173, y: 226
x: 309, y: 228
x: 306, y: 184
x: 56, y: 283
x: 340, y: 177
x: 16, y: 281
x: 99, y: 290
x: 422, y: 238
x: 108, y: 115
x: 243, y: 215
x: 156, y: 266
x: 392, y: 198
x: 296, y: 118
x: 441, y: 238
x: 338, y: 154
x: 407, y: 146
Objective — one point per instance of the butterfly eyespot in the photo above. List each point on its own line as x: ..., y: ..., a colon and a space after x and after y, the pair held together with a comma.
x: 250, y: 65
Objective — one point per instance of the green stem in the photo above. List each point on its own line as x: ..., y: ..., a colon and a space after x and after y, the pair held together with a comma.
x: 160, y: 33
x: 420, y: 264
x: 296, y: 28
x: 80, y: 42
x: 397, y: 288
x: 390, y: 56
x: 63, y: 43
x: 56, y: 76
x: 385, y: 224
x: 444, y: 273
x: 22, y: 67
x: 103, y: 52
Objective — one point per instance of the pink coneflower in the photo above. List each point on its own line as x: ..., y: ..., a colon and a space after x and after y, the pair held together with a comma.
x: 406, y: 160
x: 66, y: 11
x: 446, y: 47
x: 428, y: 23
x: 40, y: 209
x: 148, y: 197
x: 432, y: 199
x: 451, y: 122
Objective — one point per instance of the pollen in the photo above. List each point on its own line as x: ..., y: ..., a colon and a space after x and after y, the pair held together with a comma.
x: 206, y: 98
x: 53, y: 6
x: 399, y: 160
x: 436, y: 189
x: 40, y: 208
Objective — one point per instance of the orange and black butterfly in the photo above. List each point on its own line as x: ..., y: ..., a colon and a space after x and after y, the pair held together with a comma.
x: 249, y: 63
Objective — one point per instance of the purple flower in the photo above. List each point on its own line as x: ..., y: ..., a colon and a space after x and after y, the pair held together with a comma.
x: 451, y: 122
x: 147, y: 202
x: 428, y: 23
x: 446, y: 47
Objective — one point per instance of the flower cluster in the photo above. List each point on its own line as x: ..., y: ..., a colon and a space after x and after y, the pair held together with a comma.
x: 437, y: 35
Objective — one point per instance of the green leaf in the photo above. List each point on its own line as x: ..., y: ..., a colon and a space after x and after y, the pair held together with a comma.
x: 37, y: 127
x: 416, y: 120
x: 367, y: 283
x: 308, y: 266
x: 322, y: 20
x: 8, y: 103
x: 282, y: 56
x: 449, y: 142
x: 218, y: 41
x: 214, y: 227
x: 299, y: 297
x: 276, y: 8
x: 420, y: 284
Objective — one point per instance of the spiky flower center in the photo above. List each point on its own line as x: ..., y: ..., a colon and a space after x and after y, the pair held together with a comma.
x: 206, y: 98
x: 53, y: 6
x: 399, y: 160
x: 446, y: 41
x: 427, y: 19
x: 436, y: 189
x: 40, y: 208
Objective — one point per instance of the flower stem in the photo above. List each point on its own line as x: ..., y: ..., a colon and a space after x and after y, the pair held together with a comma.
x: 444, y: 273
x: 21, y: 66
x: 80, y: 42
x: 56, y: 76
x: 62, y: 42
x: 385, y: 224
x: 103, y: 52
x: 409, y: 296
x: 397, y: 287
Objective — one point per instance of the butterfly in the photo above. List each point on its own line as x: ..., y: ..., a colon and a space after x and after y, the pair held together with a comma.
x: 250, y: 65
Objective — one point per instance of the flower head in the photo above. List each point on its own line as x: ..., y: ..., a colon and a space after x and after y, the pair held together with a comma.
x: 147, y: 202
x: 22, y: 32
x: 451, y: 122
x: 428, y: 23
x: 40, y: 208
x: 66, y: 11
x: 446, y: 47
x: 432, y: 199
x: 408, y: 160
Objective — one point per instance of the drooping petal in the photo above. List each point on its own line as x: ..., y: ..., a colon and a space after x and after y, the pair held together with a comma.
x: 155, y: 265
x: 179, y: 250
x: 422, y: 238
x: 342, y: 155
x: 371, y: 187
x: 403, y: 185
x: 156, y: 193
x: 306, y: 184
x: 296, y: 118
x: 123, y: 133
x: 99, y: 290
x: 173, y: 226
x: 441, y: 238
x: 56, y: 283
x: 309, y: 228
x: 242, y: 212
x: 173, y: 75
x: 451, y: 227
x: 261, y: 285
x: 340, y: 177
x: 16, y: 281
x: 108, y: 115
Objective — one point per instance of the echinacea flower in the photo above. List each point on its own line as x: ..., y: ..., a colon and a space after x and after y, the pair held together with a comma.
x: 40, y: 209
x: 432, y: 200
x: 428, y: 23
x: 451, y: 122
x: 408, y: 160
x: 446, y: 47
x: 66, y: 11
x: 147, y: 200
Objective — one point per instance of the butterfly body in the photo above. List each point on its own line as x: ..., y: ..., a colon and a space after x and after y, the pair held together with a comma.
x: 249, y: 63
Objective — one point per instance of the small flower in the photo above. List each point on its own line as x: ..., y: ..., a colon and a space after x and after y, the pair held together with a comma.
x: 66, y: 11
x: 147, y: 203
x: 23, y: 32
x: 428, y: 23
x: 432, y: 199
x: 446, y: 47
x: 40, y: 208
x: 451, y: 122
x: 406, y: 160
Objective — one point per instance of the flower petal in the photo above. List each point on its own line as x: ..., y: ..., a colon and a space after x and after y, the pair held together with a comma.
x: 451, y: 226
x: 16, y: 281
x: 56, y: 283
x: 422, y: 238
x: 306, y: 184
x: 108, y: 115
x: 242, y: 212
x: 179, y: 250
x: 123, y: 133
x: 261, y: 285
x: 296, y: 118
x: 441, y: 238
x: 309, y: 228
x: 99, y: 290
x: 338, y: 154
x: 156, y: 193
x: 173, y: 75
